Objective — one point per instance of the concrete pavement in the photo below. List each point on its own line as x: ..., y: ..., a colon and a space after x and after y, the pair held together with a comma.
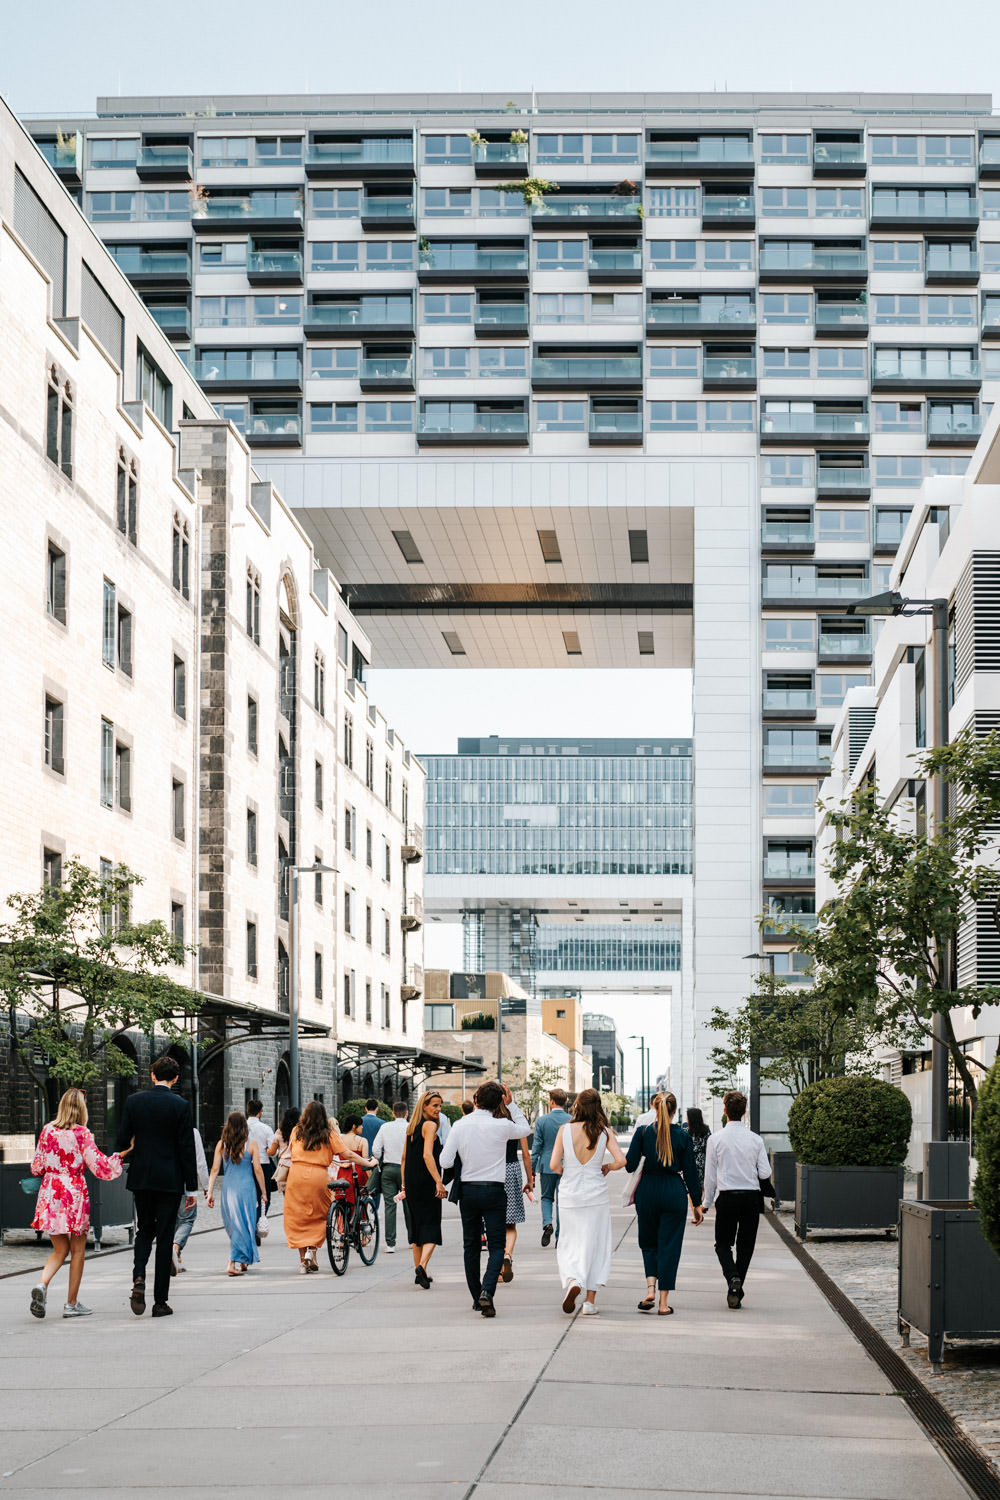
x: 254, y: 1387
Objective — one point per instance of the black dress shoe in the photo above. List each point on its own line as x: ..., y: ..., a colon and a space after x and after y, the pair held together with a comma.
x: 137, y: 1301
x: 421, y: 1278
x: 486, y: 1306
x: 735, y: 1294
x: 546, y: 1235
x: 162, y: 1310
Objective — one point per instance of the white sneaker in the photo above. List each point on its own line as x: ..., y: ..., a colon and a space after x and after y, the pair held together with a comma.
x: 589, y: 1310
x: 175, y: 1263
x: 390, y: 1249
x: 76, y: 1310
x: 38, y: 1296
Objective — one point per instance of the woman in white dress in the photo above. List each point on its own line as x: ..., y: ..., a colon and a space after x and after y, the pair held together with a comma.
x: 583, y: 1155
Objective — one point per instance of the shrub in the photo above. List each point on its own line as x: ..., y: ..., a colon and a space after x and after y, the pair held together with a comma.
x: 357, y: 1107
x: 986, y: 1192
x: 850, y: 1122
x: 479, y: 1022
x: 453, y: 1111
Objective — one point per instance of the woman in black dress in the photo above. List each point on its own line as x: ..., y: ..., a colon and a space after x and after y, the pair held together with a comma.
x: 699, y: 1133
x: 423, y: 1188
x: 668, y: 1168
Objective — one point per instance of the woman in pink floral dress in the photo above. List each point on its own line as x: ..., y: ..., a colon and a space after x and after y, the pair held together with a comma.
x: 65, y: 1147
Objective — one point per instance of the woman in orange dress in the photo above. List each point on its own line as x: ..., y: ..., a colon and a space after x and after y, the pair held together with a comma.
x: 307, y: 1191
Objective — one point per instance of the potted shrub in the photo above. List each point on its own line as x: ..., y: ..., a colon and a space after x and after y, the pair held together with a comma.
x: 480, y: 1021
x: 949, y: 1275
x: 850, y: 1136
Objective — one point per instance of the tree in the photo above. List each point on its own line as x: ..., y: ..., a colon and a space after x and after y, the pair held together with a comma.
x: 530, y: 1086
x: 884, y: 945
x: 796, y: 1035
x: 76, y: 964
x: 618, y: 1108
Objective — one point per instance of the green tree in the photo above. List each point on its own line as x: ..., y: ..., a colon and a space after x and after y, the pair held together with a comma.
x: 618, y: 1108
x: 884, y: 945
x: 987, y: 1187
x: 76, y: 964
x: 530, y: 1086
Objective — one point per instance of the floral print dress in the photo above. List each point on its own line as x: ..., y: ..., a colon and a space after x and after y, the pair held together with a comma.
x: 63, y: 1205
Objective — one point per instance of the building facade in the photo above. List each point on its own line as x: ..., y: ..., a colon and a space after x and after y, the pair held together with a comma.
x: 642, y: 380
x: 600, y: 1036
x: 187, y: 694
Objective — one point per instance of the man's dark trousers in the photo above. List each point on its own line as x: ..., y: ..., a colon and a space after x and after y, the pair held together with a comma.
x: 156, y: 1215
x: 483, y: 1203
x: 737, y: 1215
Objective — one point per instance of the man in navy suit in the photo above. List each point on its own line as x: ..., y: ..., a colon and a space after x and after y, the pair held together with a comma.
x: 161, y: 1168
x: 547, y: 1127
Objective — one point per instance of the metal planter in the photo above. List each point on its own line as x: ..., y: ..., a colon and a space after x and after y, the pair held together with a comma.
x: 783, y: 1166
x: 847, y: 1198
x: 949, y: 1276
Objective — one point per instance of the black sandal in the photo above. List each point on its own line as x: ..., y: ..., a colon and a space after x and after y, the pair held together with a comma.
x: 646, y: 1305
x: 665, y: 1312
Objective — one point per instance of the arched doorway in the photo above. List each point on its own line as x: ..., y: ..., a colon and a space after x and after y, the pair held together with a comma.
x: 119, y: 1087
x: 387, y: 1090
x: 404, y: 1092
x: 347, y: 1087
x: 367, y: 1085
x: 282, y: 1088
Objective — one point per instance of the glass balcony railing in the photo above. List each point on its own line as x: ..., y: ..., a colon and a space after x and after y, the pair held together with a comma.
x: 809, y: 754
x: 787, y: 533
x: 388, y: 368
x: 274, y: 424
x: 274, y: 262
x: 623, y: 367
x: 501, y: 315
x: 359, y: 153
x: 789, y: 867
x: 468, y: 258
x: 734, y: 206
x: 799, y: 700
x: 172, y: 319
x: 888, y: 533
x: 927, y: 205
x: 838, y: 154
x: 811, y: 586
x: 833, y: 644
x: 235, y: 367
x: 604, y: 262
x: 397, y: 312
x: 810, y: 258
x: 135, y: 262
x: 822, y: 423
x: 249, y: 206
x: 588, y: 206
x: 840, y: 314
x: 708, y: 151
x: 948, y: 424
x: 170, y: 158
x: 473, y: 422
x: 842, y: 477
x: 706, y: 310
x: 989, y: 152
x: 946, y: 260
x: 501, y: 153
x: 722, y: 367
x: 387, y: 208
x: 61, y: 158
x: 615, y: 423
x: 936, y: 368
x: 777, y: 922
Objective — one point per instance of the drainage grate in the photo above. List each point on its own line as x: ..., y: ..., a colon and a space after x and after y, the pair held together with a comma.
x: 938, y: 1423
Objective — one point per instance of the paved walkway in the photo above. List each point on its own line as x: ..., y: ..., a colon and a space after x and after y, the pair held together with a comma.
x: 253, y: 1388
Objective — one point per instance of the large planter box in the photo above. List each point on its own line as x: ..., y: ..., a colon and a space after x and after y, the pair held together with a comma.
x: 949, y: 1276
x: 783, y: 1166
x: 847, y: 1198
x: 111, y: 1203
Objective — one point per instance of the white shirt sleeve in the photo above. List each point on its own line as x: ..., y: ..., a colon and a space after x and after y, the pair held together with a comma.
x: 711, y: 1174
x: 450, y: 1148
x: 202, y: 1164
x: 763, y: 1165
x: 517, y: 1125
x: 378, y: 1144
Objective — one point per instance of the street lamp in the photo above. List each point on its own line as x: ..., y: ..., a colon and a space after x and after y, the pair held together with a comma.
x: 892, y: 603
x: 293, y: 973
x: 642, y: 1067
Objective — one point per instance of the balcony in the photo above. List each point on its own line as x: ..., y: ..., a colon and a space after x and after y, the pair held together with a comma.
x: 253, y: 210
x: 788, y: 703
x: 387, y: 373
x: 727, y: 210
x: 412, y: 986
x: 383, y: 156
x: 844, y: 649
x: 908, y: 371
x: 501, y: 159
x: 617, y: 429
x: 989, y: 156
x: 813, y: 427
x: 923, y: 208
x: 991, y: 318
x: 812, y: 264
x: 948, y: 429
x: 888, y: 534
x: 500, y: 319
x: 701, y: 315
x: 812, y: 757
x: 798, y: 588
x: 274, y: 267
x: 700, y: 156
x: 726, y: 372
x: 274, y: 430
x: 944, y: 264
x: 848, y: 481
x: 775, y: 925
x: 465, y: 263
x: 367, y: 316
x: 783, y: 867
x: 388, y: 211
x: 166, y: 163
x: 175, y: 322
x: 614, y: 266
x: 787, y: 536
x: 154, y: 268
x: 567, y: 210
x: 463, y: 429
x: 841, y: 320
x: 412, y: 915
x: 583, y: 373
x: 256, y: 370
x: 839, y: 158
x: 65, y: 157
x: 412, y: 847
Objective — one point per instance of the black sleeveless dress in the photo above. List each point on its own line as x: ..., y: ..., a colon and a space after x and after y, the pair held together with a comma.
x: 421, y: 1199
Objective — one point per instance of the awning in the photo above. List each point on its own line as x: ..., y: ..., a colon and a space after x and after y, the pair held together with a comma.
x: 357, y: 1054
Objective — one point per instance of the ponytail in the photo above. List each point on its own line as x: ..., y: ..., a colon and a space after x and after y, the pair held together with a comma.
x: 666, y: 1108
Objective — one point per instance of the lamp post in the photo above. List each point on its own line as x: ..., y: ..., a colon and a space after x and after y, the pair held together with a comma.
x: 293, y: 973
x: 891, y: 603
x: 642, y: 1068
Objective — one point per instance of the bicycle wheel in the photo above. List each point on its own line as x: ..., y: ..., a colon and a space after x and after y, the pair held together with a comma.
x: 338, y: 1244
x: 367, y: 1232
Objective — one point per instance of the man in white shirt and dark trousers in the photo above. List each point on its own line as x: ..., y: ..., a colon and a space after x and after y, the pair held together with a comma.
x: 736, y: 1165
x: 388, y: 1147
x: 480, y: 1141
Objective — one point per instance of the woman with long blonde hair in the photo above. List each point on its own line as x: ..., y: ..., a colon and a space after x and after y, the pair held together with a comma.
x: 580, y: 1158
x: 423, y: 1187
x: 668, y: 1164
x: 65, y: 1150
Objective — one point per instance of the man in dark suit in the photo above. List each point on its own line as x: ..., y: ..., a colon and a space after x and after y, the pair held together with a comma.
x: 161, y: 1168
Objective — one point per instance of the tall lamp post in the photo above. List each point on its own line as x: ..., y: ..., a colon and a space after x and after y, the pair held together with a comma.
x: 936, y: 1151
x: 642, y: 1068
x: 293, y: 973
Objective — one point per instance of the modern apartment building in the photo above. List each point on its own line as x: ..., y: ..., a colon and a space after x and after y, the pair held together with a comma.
x: 184, y: 692
x: 591, y: 380
x: 949, y: 550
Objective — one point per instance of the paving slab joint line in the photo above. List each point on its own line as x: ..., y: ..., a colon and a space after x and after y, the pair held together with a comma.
x: 961, y: 1452
x: 534, y: 1384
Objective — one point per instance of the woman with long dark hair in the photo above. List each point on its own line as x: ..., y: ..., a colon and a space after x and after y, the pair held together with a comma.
x: 580, y: 1158
x: 423, y: 1187
x: 314, y: 1144
x: 699, y: 1132
x: 239, y: 1160
x: 281, y: 1146
x: 667, y: 1157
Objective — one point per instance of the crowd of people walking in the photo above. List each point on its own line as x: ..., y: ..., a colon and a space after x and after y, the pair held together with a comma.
x: 484, y: 1163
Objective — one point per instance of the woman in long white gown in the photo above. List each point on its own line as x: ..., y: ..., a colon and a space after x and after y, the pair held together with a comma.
x: 585, y: 1151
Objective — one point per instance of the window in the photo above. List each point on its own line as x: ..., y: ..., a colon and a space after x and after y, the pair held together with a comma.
x: 368, y: 1001
x: 347, y: 911
x: 112, y: 208
x: 560, y: 307
x: 52, y: 869
x: 123, y: 776
x: 251, y: 836
x: 335, y: 203
x: 678, y: 362
x: 918, y: 657
x: 166, y: 205
x: 386, y: 1007
x: 349, y: 741
x: 278, y: 151
x: 180, y: 687
x: 334, y: 255
x: 784, y: 202
x: 334, y: 364
x: 222, y: 255
x: 318, y: 784
x: 369, y: 853
x: 319, y: 684
x: 786, y: 307
x: 107, y: 763
x: 177, y: 808
x: 790, y: 635
x: 153, y: 388
x: 116, y: 638
x: 55, y: 583
x: 842, y: 526
x: 566, y: 150
x: 447, y: 203
x: 348, y: 992
x: 560, y: 255
x: 560, y: 416
x: 349, y: 827
x: 386, y: 934
x: 318, y: 878
x: 127, y: 495
x: 784, y: 150
x: 318, y: 974
x: 114, y: 151
x: 368, y: 923
x: 253, y: 605
x: 59, y: 422
x: 795, y: 799
x: 369, y: 765
x: 447, y: 150
x: 446, y: 307
x: 388, y: 785
x: 897, y: 255
x: 672, y: 202
x: 251, y: 950
x: 54, y: 726
x: 450, y: 363
x: 727, y: 255
x: 502, y: 361
x: 389, y: 255
x: 253, y: 715
x: 181, y: 558
x: 177, y: 922
x: 387, y: 852
x: 832, y: 687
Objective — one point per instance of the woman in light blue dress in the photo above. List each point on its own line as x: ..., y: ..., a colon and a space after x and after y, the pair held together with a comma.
x: 239, y: 1160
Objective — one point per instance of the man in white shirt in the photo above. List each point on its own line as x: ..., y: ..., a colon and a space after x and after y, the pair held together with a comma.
x: 479, y: 1141
x: 735, y: 1166
x: 187, y: 1216
x: 263, y: 1134
x: 388, y: 1147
